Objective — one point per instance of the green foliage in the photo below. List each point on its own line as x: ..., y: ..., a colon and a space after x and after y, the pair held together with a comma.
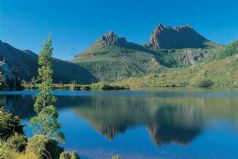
x: 44, y: 147
x: 114, y: 63
x: 227, y: 51
x: 9, y: 125
x: 17, y: 142
x: 7, y: 153
x: 110, y: 64
x: 69, y: 155
x: 105, y: 86
x: 72, y: 85
x: 205, y: 83
x: 217, y: 74
x: 45, y: 122
x: 116, y: 157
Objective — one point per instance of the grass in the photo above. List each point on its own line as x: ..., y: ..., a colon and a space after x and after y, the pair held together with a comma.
x: 222, y: 73
x: 8, y: 153
x: 114, y: 63
x: 74, y: 86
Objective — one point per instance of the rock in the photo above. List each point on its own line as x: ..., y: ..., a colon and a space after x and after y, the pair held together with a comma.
x: 111, y: 38
x: 167, y: 37
x: 107, y: 40
x: 9, y: 75
x: 191, y: 56
x: 10, y: 80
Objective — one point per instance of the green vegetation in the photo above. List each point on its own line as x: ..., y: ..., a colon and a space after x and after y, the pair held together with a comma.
x: 227, y: 51
x: 123, y: 68
x: 44, y: 144
x: 75, y: 86
x: 9, y: 125
x: 116, y: 157
x: 24, y: 65
x: 213, y: 74
x: 112, y: 63
x: 45, y: 122
x: 205, y: 83
x: 17, y: 142
x: 44, y: 147
x: 69, y: 155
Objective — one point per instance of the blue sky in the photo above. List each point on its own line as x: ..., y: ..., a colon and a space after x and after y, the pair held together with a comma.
x: 76, y: 24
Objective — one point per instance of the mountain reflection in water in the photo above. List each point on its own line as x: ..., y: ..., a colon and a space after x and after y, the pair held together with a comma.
x: 168, y: 119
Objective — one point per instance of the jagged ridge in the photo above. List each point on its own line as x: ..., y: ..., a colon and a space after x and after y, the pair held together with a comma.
x: 167, y: 37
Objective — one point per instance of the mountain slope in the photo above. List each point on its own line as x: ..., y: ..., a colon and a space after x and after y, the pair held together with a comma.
x: 226, y: 51
x: 113, y: 58
x: 215, y: 72
x: 24, y: 66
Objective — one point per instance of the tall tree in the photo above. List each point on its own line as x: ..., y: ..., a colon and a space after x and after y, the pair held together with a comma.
x: 45, y: 122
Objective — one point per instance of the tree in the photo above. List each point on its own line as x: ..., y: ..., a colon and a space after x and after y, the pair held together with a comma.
x: 9, y: 124
x: 45, y: 122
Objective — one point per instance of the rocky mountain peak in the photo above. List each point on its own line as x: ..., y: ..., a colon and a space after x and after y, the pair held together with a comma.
x: 178, y: 37
x: 110, y: 38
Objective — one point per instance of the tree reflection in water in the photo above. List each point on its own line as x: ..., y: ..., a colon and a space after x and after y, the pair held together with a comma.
x: 168, y: 119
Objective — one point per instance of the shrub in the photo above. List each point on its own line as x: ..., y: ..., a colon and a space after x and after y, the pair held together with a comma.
x: 44, y: 147
x: 116, y: 157
x: 17, y: 142
x: 7, y: 153
x: 29, y: 155
x: 205, y: 83
x: 69, y: 155
x: 9, y: 125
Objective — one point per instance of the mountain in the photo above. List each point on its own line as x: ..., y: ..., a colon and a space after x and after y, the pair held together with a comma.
x: 23, y: 64
x: 166, y: 37
x: 219, y: 70
x: 114, y: 58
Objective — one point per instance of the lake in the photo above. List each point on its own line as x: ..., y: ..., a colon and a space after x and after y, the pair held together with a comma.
x: 151, y: 124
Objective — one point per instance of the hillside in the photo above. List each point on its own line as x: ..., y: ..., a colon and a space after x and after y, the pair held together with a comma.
x: 24, y: 65
x: 113, y: 58
x: 219, y: 71
x: 226, y: 51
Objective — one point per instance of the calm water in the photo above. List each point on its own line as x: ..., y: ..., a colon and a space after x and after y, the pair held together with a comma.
x: 163, y: 124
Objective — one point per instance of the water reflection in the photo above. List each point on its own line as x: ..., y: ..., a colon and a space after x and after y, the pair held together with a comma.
x: 168, y: 119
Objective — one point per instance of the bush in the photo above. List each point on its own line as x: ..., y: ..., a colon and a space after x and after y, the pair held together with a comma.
x: 17, y: 142
x: 9, y: 125
x: 7, y: 153
x: 29, y: 155
x: 205, y: 83
x: 69, y: 155
x: 116, y: 157
x: 44, y: 147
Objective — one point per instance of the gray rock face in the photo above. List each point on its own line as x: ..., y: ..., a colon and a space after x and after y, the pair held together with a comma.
x: 191, y: 56
x: 174, y: 38
x: 7, y: 71
x: 10, y: 80
x: 111, y: 38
